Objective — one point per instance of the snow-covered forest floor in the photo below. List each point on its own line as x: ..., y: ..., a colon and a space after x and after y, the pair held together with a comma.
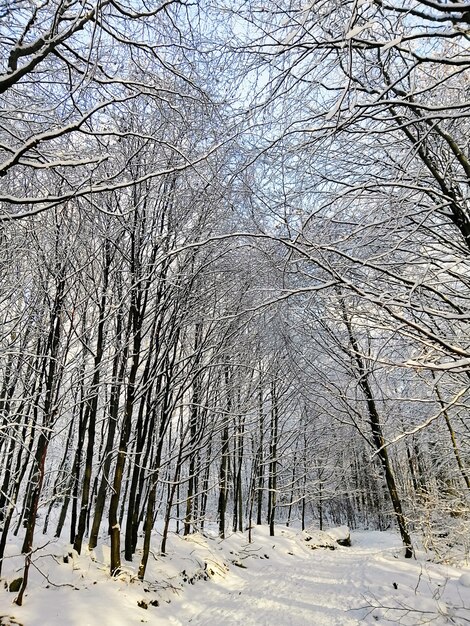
x: 277, y: 580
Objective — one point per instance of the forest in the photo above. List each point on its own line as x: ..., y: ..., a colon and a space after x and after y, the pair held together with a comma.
x: 235, y: 271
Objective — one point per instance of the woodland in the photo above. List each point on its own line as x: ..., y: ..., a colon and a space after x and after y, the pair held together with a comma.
x: 235, y: 271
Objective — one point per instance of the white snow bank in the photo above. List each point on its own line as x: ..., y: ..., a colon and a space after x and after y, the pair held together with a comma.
x: 330, y: 538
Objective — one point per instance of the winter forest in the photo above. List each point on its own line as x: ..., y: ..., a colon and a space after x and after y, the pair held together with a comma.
x: 235, y: 276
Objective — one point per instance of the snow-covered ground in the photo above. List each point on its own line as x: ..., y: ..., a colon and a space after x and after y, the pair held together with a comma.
x: 272, y: 581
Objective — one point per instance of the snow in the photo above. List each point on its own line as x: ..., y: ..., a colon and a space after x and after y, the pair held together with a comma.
x: 392, y: 43
x: 273, y: 581
x: 357, y: 30
x: 341, y: 533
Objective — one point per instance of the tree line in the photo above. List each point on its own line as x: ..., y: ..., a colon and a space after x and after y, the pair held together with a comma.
x: 234, y: 282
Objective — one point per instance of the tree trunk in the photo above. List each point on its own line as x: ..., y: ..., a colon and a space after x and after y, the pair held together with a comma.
x: 273, y: 457
x: 91, y: 409
x: 377, y: 436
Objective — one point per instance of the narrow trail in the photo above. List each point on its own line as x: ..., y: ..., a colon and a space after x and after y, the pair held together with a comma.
x: 321, y: 588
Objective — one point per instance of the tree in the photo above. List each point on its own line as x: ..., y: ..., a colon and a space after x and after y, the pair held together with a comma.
x: 73, y: 75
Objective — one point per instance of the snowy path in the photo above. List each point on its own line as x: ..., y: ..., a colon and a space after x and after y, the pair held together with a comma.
x: 322, y: 588
x: 309, y: 593
x: 283, y: 582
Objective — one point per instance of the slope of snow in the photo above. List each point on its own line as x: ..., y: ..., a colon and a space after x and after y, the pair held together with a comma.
x: 285, y: 581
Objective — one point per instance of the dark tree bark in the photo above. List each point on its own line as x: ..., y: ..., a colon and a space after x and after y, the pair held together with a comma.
x: 194, y: 434
x: 49, y: 414
x: 225, y: 452
x: 273, y: 444
x: 91, y: 407
x: 377, y: 435
x: 119, y: 362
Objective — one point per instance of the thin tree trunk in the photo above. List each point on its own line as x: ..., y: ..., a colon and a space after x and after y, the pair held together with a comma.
x: 119, y: 362
x: 377, y: 436
x: 225, y: 451
x: 273, y: 457
x: 91, y: 409
x: 114, y: 526
x: 195, y: 428
x: 45, y: 434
